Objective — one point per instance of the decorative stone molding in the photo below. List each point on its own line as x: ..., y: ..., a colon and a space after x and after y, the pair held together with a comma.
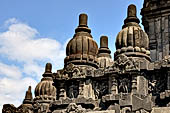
x: 124, y: 64
x: 74, y: 108
x: 71, y: 71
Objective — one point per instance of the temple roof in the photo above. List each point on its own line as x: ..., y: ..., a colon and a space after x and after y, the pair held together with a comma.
x: 82, y: 49
x: 132, y: 39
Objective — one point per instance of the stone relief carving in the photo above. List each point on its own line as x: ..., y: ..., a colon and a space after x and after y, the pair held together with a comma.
x: 160, y: 85
x: 99, y: 72
x: 124, y: 63
x: 89, y: 71
x: 71, y: 71
x: 62, y: 94
x: 166, y: 60
x: 157, y: 85
x: 37, y: 107
x: 126, y: 110
x: 100, y: 89
x: 74, y: 108
x: 25, y: 109
x: 152, y: 86
x: 96, y: 90
x: 9, y: 108
x: 40, y: 108
x: 124, y: 85
x: 73, y: 91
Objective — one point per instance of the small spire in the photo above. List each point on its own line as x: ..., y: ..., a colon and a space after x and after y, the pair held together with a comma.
x: 104, y: 42
x: 83, y: 19
x: 131, y: 14
x: 48, y: 68
x: 28, y: 96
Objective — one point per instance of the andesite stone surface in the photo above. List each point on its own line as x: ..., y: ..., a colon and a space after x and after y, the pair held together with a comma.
x: 136, y: 81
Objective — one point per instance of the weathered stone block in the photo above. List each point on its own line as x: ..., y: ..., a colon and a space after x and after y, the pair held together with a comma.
x: 151, y: 27
x: 107, y: 111
x: 142, y: 85
x: 161, y: 110
x: 157, y: 25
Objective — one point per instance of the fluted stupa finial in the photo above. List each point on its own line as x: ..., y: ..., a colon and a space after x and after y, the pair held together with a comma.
x: 83, y: 19
x: 131, y: 15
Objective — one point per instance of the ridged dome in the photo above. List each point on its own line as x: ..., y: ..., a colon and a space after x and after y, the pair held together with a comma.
x: 132, y: 36
x: 132, y: 40
x: 45, y: 90
x: 82, y: 49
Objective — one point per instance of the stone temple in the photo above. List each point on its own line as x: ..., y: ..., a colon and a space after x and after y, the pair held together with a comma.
x: 137, y: 80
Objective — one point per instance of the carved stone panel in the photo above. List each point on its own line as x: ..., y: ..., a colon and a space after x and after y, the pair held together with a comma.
x: 74, y: 108
x: 124, y: 85
x: 142, y: 85
x: 100, y: 88
x: 124, y: 63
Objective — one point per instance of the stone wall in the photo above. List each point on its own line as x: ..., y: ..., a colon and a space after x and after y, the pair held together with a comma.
x: 156, y: 21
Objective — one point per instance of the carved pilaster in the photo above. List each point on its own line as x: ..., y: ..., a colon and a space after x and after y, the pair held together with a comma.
x: 81, y: 86
x: 113, y: 85
x: 142, y: 84
x: 86, y: 90
x: 168, y: 80
x: 62, y: 91
x: 134, y: 84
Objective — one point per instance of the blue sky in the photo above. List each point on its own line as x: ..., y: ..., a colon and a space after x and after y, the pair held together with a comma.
x: 33, y: 32
x: 58, y: 18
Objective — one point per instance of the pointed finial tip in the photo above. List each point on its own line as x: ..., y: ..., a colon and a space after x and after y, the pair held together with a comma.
x: 28, y: 95
x: 131, y: 10
x: 48, y: 68
x: 83, y: 19
x: 29, y: 88
x: 104, y: 41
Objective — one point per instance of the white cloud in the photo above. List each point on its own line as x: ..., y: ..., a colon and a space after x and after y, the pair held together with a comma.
x: 10, y: 21
x: 10, y: 71
x: 25, y: 56
x: 34, y: 70
x: 13, y: 90
x: 21, y: 44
